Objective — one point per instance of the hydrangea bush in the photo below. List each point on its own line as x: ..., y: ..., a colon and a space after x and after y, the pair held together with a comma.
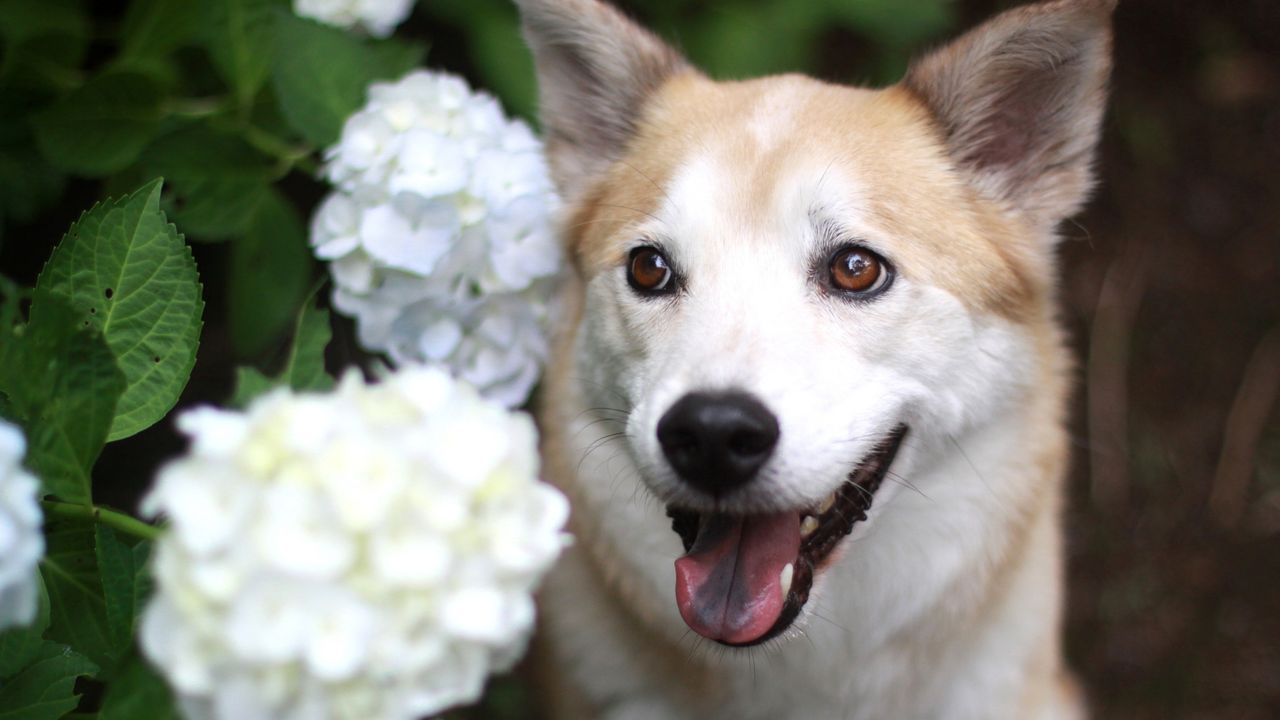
x: 21, y: 543
x: 377, y: 17
x: 322, y: 549
x: 440, y: 232
x: 369, y: 553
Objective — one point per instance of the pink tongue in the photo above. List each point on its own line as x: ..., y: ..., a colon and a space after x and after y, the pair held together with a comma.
x: 728, y: 586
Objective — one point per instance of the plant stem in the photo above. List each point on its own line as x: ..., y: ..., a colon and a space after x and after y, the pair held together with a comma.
x: 291, y: 156
x: 111, y: 518
x: 196, y: 108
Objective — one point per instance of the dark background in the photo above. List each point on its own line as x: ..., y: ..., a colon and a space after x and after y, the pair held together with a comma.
x: 1171, y: 293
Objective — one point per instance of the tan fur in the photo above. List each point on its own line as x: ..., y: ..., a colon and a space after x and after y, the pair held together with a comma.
x: 981, y: 76
x: 943, y: 231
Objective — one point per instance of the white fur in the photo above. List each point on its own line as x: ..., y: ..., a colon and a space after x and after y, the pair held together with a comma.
x: 752, y: 321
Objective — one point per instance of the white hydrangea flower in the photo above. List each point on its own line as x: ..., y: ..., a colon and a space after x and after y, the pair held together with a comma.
x: 21, y: 542
x: 439, y: 233
x: 376, y: 17
x: 367, y: 554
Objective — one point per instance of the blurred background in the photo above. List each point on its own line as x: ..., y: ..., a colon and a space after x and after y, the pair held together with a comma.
x: 1171, y: 289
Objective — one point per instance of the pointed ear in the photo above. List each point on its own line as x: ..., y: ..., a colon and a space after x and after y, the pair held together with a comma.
x: 1020, y: 100
x: 595, y: 69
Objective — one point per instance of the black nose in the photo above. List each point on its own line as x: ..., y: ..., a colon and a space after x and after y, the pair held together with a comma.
x: 717, y: 442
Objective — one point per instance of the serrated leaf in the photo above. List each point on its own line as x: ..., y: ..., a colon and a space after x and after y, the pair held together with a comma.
x: 62, y: 383
x: 102, y: 126
x: 320, y: 74
x: 241, y: 43
x: 270, y: 271
x: 214, y: 181
x: 137, y: 692
x: 303, y: 369
x: 78, y: 615
x: 45, y: 689
x: 127, y: 273
x: 118, y: 573
x: 19, y: 646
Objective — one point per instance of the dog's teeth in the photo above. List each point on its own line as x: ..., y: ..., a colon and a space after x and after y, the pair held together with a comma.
x: 808, y: 525
x: 785, y: 579
x: 827, y: 503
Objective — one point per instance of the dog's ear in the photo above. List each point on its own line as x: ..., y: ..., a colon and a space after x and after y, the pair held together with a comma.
x: 595, y: 69
x: 1020, y: 101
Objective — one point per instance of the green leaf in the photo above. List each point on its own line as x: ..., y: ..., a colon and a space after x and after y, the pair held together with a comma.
x: 62, y: 383
x: 19, y: 646
x: 892, y: 22
x: 78, y: 610
x: 270, y: 271
x: 43, y: 43
x: 303, y: 369
x: 101, y: 127
x: 45, y: 690
x: 320, y: 74
x: 137, y: 692
x: 754, y: 40
x: 390, y: 59
x: 250, y: 383
x: 142, y: 580
x: 214, y: 181
x: 240, y: 42
x: 154, y: 28
x: 506, y: 67
x: 118, y: 568
x: 127, y: 273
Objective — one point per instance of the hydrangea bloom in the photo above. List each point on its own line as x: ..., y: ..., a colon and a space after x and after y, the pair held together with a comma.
x: 439, y: 233
x: 21, y: 543
x: 366, y: 554
x: 377, y: 17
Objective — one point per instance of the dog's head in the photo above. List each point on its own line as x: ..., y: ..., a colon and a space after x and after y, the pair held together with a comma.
x: 785, y: 281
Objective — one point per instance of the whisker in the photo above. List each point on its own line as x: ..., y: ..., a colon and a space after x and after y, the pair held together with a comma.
x: 955, y: 443
x: 597, y: 444
x: 895, y: 477
x: 598, y: 421
x: 658, y: 187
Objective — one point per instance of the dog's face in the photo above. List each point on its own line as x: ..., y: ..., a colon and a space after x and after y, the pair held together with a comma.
x: 785, y: 281
x: 809, y: 247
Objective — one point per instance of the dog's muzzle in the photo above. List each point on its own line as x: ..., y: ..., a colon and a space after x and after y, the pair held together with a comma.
x: 744, y: 578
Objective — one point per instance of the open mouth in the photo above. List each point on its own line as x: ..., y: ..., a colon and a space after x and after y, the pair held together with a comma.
x: 744, y: 578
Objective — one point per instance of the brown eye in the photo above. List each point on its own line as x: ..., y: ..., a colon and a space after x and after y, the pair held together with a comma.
x: 648, y: 271
x: 857, y: 270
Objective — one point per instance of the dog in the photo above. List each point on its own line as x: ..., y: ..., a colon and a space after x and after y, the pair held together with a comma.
x: 809, y: 400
